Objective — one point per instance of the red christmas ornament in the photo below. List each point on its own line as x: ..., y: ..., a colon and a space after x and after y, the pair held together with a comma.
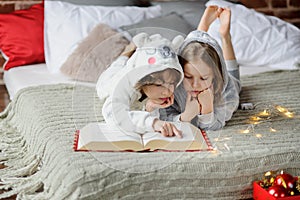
x: 278, y: 191
x: 285, y: 180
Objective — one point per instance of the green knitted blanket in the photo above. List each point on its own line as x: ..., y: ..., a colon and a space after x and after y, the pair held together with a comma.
x: 37, y: 132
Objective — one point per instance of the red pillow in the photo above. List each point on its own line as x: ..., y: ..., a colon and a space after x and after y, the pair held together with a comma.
x: 22, y: 36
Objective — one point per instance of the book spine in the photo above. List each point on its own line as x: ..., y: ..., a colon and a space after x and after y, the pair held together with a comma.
x: 210, y: 147
x: 76, y: 137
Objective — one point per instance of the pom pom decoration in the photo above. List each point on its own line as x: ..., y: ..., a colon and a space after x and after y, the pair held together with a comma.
x: 280, y: 185
x: 151, y: 60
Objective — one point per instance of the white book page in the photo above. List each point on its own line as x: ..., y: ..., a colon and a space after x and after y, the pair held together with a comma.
x: 187, y: 134
x: 101, y: 132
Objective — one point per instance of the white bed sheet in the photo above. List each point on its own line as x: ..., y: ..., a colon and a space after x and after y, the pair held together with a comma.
x: 18, y: 78
x: 37, y: 74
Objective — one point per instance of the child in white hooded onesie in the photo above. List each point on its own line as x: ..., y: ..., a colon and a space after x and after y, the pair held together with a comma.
x: 145, y: 80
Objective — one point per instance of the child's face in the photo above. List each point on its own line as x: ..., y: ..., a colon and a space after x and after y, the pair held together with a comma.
x: 198, y: 76
x: 162, y: 92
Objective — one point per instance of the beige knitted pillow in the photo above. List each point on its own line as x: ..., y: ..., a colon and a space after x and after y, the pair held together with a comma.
x: 94, y: 54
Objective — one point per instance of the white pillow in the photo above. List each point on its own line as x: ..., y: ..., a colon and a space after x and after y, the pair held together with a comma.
x: 67, y: 24
x: 258, y: 39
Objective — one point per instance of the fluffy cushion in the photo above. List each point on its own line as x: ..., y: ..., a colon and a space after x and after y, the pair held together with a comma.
x: 94, y: 54
x: 21, y: 36
x: 67, y: 24
x: 110, y: 2
x: 191, y: 11
x: 168, y: 26
x: 260, y: 40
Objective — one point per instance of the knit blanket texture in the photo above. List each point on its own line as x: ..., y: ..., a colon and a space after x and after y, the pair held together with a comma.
x: 37, y: 132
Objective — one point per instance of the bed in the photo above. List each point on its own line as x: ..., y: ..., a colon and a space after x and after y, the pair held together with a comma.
x: 37, y: 127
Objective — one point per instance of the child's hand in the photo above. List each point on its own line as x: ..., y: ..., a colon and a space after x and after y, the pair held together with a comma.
x: 167, y: 129
x: 192, y: 108
x: 206, y: 99
x: 152, y: 105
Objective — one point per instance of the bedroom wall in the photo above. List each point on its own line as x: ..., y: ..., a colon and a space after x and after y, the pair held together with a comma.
x: 7, y: 6
x: 288, y: 10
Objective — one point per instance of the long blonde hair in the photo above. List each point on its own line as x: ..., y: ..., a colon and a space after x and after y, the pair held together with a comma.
x: 197, y: 50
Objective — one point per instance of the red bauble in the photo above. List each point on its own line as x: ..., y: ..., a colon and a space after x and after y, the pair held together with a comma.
x: 285, y: 180
x: 278, y: 191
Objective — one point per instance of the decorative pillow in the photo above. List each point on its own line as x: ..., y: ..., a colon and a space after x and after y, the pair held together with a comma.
x: 21, y: 36
x: 110, y: 2
x: 94, y: 54
x: 168, y: 26
x: 67, y: 24
x: 191, y: 11
x: 258, y: 39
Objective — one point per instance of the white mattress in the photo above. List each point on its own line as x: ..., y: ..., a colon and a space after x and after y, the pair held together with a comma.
x: 32, y: 75
x: 37, y: 74
x: 254, y: 70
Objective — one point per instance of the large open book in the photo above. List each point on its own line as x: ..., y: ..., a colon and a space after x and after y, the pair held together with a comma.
x: 101, y: 137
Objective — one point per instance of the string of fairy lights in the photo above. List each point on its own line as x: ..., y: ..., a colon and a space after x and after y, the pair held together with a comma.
x: 267, y: 114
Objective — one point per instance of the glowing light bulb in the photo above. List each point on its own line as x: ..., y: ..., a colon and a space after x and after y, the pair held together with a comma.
x: 269, y: 173
x: 214, y: 151
x: 258, y: 135
x: 245, y: 131
x: 272, y: 130
x: 255, y: 118
x: 289, y: 114
x: 264, y: 113
x: 281, y: 109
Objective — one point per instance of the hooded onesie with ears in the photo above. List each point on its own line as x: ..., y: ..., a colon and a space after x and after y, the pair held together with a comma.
x: 116, y: 85
x: 222, y: 111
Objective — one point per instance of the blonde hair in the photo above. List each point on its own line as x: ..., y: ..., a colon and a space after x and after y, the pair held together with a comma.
x: 197, y: 50
x: 154, y: 77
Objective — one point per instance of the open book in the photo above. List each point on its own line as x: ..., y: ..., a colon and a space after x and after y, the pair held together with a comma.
x: 101, y: 137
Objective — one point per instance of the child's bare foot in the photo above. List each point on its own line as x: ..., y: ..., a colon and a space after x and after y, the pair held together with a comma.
x: 210, y: 14
x: 224, y: 18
